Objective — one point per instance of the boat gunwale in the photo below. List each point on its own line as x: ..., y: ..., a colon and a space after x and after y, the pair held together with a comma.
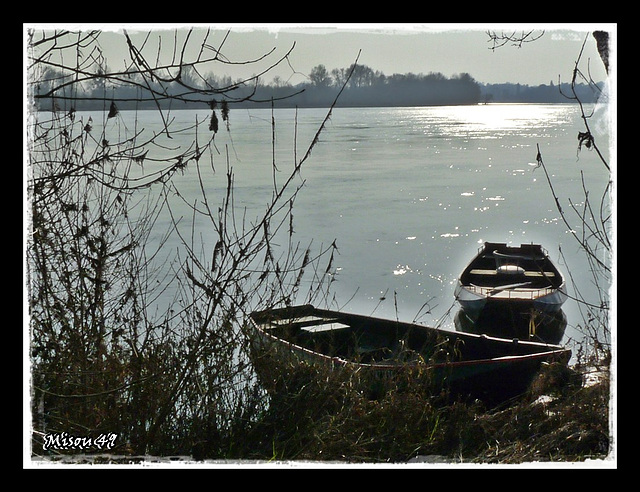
x: 512, y: 294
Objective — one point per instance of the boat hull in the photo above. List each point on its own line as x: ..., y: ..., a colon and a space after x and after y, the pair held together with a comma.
x: 479, y: 365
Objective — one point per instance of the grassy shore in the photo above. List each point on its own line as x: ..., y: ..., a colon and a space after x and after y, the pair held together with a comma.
x: 562, y: 419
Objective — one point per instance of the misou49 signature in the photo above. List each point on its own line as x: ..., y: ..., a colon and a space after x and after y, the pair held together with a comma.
x: 63, y: 440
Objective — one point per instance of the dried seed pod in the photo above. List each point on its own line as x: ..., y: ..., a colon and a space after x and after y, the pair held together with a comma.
x: 213, y: 124
x: 113, y: 110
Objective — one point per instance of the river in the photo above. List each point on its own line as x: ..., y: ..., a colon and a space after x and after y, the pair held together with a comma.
x: 410, y: 194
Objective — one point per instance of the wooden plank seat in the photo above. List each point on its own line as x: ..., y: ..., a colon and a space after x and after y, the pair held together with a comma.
x: 325, y: 327
x: 527, y: 273
x: 311, y: 324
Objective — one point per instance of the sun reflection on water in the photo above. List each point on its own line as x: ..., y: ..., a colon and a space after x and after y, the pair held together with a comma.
x: 490, y: 120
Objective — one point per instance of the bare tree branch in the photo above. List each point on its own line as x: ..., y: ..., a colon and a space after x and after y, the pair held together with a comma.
x: 513, y: 39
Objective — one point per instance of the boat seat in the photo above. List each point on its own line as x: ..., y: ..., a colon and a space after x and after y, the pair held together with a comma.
x: 527, y: 273
x: 325, y: 327
x: 539, y: 274
x: 478, y: 271
x: 300, y: 322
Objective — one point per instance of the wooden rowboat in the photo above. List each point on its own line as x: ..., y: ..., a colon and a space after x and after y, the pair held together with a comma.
x: 480, y: 365
x: 521, y: 278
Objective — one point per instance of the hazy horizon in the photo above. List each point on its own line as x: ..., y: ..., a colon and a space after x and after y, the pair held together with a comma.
x: 449, y: 49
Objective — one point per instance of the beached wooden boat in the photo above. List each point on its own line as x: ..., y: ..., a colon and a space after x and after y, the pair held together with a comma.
x: 522, y: 278
x: 462, y: 362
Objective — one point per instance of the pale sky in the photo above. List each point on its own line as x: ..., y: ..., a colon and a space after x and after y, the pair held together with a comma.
x: 390, y: 48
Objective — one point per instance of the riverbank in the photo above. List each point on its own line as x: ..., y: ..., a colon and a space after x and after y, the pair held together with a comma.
x: 562, y: 421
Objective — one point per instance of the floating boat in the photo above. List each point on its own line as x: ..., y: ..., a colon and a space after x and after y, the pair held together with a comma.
x: 522, y: 278
x: 478, y: 365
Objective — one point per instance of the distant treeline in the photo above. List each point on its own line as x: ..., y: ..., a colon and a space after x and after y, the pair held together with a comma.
x: 365, y: 87
x: 518, y: 93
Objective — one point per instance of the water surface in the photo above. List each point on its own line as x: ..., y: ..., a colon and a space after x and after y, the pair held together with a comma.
x: 409, y: 194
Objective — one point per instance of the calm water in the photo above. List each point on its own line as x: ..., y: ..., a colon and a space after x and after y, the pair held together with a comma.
x: 410, y: 194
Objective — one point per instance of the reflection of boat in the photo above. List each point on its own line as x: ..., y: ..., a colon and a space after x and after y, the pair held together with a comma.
x: 508, y: 323
x: 478, y: 364
x: 521, y: 277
